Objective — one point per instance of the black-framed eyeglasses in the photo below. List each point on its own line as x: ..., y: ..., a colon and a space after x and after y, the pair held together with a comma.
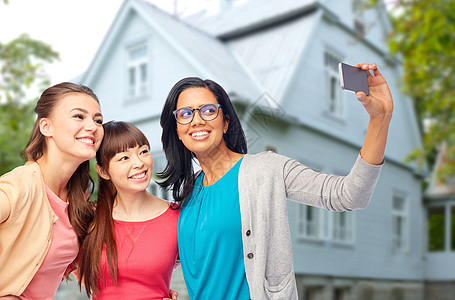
x: 207, y: 112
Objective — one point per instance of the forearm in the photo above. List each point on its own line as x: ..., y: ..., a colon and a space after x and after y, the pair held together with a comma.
x: 375, y: 140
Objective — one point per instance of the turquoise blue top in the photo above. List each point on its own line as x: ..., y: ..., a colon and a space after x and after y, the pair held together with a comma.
x: 210, y: 240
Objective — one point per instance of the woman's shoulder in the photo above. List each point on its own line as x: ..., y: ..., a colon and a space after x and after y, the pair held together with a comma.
x: 269, y: 157
x: 167, y: 206
x: 20, y: 186
x: 25, y: 175
x: 262, y: 164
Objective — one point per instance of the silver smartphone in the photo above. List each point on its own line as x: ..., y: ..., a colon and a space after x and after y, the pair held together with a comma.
x: 353, y: 79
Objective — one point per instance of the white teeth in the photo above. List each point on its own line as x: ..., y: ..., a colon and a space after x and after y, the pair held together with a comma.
x: 87, y: 141
x: 138, y: 176
x: 199, y: 133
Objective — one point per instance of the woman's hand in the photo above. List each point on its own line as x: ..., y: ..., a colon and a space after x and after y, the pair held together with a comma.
x: 9, y: 297
x: 173, y: 294
x: 379, y: 103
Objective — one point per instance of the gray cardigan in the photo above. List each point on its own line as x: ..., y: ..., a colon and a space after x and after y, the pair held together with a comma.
x: 266, y: 180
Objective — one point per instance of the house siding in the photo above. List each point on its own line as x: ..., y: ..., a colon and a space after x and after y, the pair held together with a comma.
x: 285, y: 69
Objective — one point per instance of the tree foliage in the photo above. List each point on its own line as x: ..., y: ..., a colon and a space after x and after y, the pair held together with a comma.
x: 424, y: 35
x: 22, y: 63
x: 16, y: 123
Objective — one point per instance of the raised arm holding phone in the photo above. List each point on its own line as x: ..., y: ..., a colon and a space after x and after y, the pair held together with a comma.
x: 234, y: 237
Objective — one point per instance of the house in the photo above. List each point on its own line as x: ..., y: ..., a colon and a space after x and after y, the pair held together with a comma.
x: 278, y: 60
x: 440, y: 244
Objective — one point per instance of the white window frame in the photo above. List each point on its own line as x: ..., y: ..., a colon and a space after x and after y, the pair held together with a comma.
x: 343, y: 231
x: 334, y: 102
x: 400, y: 238
x: 316, y: 229
x: 323, y: 225
x: 359, y: 18
x: 137, y: 64
x: 342, y: 223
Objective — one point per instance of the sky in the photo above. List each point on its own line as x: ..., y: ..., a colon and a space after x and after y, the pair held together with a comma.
x: 75, y: 29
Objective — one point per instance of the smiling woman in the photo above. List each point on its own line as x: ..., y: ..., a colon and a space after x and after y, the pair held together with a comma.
x: 131, y: 247
x: 44, y: 208
x: 233, y: 231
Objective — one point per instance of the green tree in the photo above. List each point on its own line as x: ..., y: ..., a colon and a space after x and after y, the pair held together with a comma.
x: 22, y: 63
x: 424, y: 36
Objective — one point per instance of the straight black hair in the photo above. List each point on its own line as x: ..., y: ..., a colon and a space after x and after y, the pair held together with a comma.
x: 179, y: 174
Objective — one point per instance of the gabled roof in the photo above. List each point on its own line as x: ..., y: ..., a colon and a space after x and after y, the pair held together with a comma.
x: 258, y: 31
x: 238, y: 19
x: 272, y: 55
x: 206, y: 53
x: 437, y: 189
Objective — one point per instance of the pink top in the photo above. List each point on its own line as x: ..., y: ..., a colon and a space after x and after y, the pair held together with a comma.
x: 147, y: 252
x: 63, y: 250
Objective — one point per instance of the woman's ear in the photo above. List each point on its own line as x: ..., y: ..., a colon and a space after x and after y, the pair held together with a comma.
x: 102, y: 172
x: 227, y: 120
x: 45, y: 126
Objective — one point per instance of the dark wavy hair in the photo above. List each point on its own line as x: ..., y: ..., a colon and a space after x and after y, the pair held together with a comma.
x: 80, y: 211
x: 179, y: 174
x: 118, y: 137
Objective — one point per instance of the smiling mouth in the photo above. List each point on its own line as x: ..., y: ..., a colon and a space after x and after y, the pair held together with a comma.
x: 139, y: 176
x: 200, y: 134
x: 87, y: 141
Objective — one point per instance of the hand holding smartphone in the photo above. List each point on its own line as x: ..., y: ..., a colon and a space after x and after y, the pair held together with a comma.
x: 353, y: 79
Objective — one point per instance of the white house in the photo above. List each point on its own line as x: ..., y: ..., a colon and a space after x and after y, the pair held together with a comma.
x: 278, y: 61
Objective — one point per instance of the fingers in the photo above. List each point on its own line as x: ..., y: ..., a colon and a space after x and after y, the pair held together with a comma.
x: 173, y: 294
x: 367, y: 67
x: 361, y: 96
x: 376, y: 72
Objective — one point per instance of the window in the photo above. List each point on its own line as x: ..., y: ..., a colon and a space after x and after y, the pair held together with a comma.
x: 313, y: 222
x: 334, y: 102
x: 313, y: 293
x: 359, y: 27
x: 366, y: 293
x: 358, y: 7
x: 320, y: 224
x: 398, y: 294
x: 441, y: 228
x: 340, y: 293
x: 308, y: 225
x: 137, y: 70
x: 343, y: 227
x: 399, y: 223
x: 436, y: 228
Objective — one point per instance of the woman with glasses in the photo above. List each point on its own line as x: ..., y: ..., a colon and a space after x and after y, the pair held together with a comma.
x: 233, y: 232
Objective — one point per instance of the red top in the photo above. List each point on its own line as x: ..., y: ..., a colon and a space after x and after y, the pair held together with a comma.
x: 147, y: 252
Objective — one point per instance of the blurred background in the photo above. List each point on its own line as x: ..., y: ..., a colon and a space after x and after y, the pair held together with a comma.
x: 278, y: 60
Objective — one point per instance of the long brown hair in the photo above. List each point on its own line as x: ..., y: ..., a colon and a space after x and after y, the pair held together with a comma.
x: 80, y: 211
x: 118, y: 137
